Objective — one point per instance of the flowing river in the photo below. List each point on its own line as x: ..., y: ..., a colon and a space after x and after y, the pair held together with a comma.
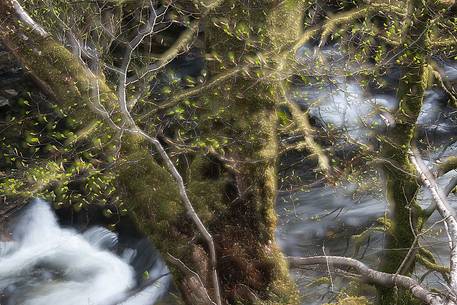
x: 42, y: 263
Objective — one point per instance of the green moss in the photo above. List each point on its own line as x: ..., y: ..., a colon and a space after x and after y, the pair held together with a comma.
x: 280, y: 288
x: 351, y: 301
x: 401, y: 186
x: 151, y: 190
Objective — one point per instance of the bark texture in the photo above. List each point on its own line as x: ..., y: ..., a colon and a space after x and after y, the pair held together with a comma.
x: 400, y: 175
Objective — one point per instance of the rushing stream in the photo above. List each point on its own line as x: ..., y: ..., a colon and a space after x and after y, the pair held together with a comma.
x: 45, y: 264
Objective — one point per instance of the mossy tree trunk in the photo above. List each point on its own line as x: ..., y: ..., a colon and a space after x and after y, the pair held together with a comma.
x: 400, y: 175
x: 240, y: 190
x: 234, y: 198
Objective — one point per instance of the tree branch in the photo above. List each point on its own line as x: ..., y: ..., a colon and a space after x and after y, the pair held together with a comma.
x: 444, y: 85
x: 335, y: 21
x: 180, y: 96
x: 443, y: 207
x: 303, y: 125
x: 24, y: 17
x: 190, y: 209
x: 370, y: 276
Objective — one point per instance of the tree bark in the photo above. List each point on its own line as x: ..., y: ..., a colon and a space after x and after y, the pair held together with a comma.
x: 400, y: 175
x: 238, y: 190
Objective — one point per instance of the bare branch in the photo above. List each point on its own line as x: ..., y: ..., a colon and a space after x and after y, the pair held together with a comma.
x: 209, y: 6
x: 335, y: 21
x: 194, y: 278
x: 190, y: 209
x: 369, y: 275
x: 181, y: 44
x: 131, y: 47
x: 447, y: 190
x: 444, y: 85
x: 444, y: 42
x: 75, y: 88
x: 443, y: 207
x: 24, y: 17
x: 180, y: 96
x: 133, y: 128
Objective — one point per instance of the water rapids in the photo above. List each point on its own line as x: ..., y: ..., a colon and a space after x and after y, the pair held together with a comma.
x: 42, y: 263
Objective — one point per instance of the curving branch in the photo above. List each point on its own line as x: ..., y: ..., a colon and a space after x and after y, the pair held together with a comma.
x: 180, y: 45
x: 188, y: 205
x: 147, y: 30
x: 440, y: 78
x: 371, y: 276
x: 332, y: 23
x: 132, y: 127
x: 27, y: 20
x: 444, y: 42
x: 182, y: 95
x: 447, y: 190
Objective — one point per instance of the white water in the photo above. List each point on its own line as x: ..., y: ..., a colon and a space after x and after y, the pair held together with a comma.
x: 342, y: 104
x: 44, y: 264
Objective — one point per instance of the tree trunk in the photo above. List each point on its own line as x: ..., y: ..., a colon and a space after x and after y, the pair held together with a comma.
x: 400, y: 175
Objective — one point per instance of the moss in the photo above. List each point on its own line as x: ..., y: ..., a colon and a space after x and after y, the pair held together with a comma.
x: 351, y: 301
x: 236, y: 197
x: 151, y: 195
x: 401, y: 186
x: 351, y: 294
x: 206, y: 187
x: 281, y: 289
